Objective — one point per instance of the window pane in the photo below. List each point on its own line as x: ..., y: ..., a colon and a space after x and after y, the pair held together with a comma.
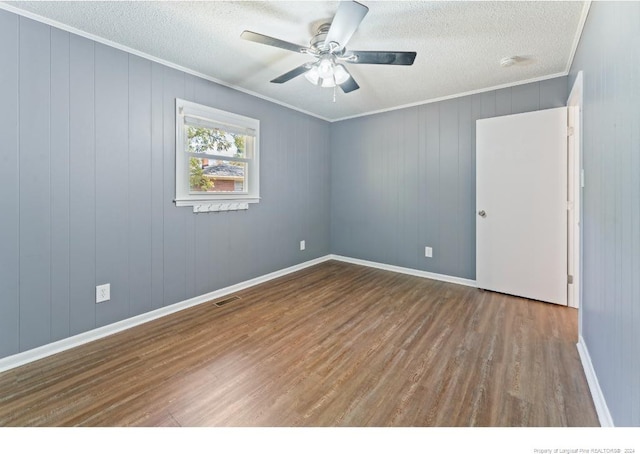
x: 217, y: 176
x: 215, y: 141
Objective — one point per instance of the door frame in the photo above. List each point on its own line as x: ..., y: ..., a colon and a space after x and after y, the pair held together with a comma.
x: 574, y: 104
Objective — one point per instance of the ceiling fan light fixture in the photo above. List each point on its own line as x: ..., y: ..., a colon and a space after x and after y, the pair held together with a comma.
x: 328, y: 46
x: 327, y: 74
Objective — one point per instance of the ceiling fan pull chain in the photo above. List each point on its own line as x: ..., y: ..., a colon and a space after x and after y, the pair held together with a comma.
x: 335, y: 85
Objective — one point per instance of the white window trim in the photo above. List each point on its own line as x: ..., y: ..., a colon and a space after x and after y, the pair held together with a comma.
x: 212, y: 201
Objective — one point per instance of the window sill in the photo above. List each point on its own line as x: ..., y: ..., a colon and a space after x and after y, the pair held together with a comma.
x: 206, y: 206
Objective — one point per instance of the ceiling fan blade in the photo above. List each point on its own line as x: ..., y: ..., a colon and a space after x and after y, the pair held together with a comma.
x: 291, y: 74
x: 345, y: 23
x: 270, y: 41
x: 350, y: 84
x: 380, y: 58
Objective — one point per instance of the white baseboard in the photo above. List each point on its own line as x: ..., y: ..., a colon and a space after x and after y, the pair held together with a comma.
x: 410, y: 271
x: 28, y: 356
x: 594, y: 386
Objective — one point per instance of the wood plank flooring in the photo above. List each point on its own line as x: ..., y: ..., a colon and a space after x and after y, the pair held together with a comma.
x: 333, y: 345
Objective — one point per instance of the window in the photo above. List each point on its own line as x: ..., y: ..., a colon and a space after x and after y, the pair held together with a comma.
x: 216, y: 158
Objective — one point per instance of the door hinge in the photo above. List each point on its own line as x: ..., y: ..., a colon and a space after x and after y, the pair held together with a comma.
x: 570, y: 279
x: 569, y: 131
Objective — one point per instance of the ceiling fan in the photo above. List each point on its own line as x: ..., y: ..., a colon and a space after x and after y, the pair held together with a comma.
x: 328, y: 46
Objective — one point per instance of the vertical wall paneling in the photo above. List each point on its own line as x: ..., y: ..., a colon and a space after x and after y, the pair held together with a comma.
x: 290, y: 178
x: 140, y: 186
x: 112, y: 179
x: 430, y: 219
x: 404, y: 180
x: 230, y: 248
x: 175, y: 279
x: 337, y: 188
x: 60, y: 240
x: 552, y: 91
x: 488, y: 104
x: 477, y: 106
x: 408, y: 180
x: 374, y: 195
x: 466, y: 265
x: 82, y: 160
x: 238, y: 262
x: 624, y: 202
x: 449, y: 219
x: 351, y: 191
x: 306, y: 175
x: 319, y: 178
x: 525, y: 98
x: 386, y: 155
x: 373, y: 181
x: 9, y: 186
x: 189, y: 234
x: 608, y: 162
x: 203, y: 255
x: 421, y: 166
x: 278, y: 162
x: 156, y: 165
x: 391, y: 152
x: 323, y: 162
x: 609, y: 58
x: 298, y: 141
x: 302, y: 173
x: 35, y: 184
x: 503, y: 102
x: 633, y: 321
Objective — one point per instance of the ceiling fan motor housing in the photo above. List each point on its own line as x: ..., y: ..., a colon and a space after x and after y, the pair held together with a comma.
x: 317, y: 43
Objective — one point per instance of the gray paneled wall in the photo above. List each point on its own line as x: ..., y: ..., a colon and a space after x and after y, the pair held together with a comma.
x: 87, y: 143
x: 9, y: 182
x: 609, y: 56
x: 405, y: 179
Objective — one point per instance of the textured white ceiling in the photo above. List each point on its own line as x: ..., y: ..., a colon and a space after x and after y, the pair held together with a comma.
x: 459, y: 44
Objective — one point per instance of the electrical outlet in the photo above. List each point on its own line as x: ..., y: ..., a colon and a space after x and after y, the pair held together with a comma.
x: 303, y: 245
x: 103, y: 293
x: 428, y: 252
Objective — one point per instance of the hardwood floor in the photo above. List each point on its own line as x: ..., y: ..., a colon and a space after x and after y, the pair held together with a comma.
x: 333, y: 345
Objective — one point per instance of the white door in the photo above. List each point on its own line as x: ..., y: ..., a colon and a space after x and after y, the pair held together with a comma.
x: 521, y: 203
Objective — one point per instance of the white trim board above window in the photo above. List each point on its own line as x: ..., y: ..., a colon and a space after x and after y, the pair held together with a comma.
x: 217, y: 165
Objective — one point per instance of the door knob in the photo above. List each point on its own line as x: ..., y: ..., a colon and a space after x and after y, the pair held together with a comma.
x: 482, y: 214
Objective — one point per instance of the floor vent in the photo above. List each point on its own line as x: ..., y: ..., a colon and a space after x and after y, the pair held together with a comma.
x: 226, y: 301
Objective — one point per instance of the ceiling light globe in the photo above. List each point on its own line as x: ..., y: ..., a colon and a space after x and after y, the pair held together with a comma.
x: 340, y: 74
x: 325, y: 68
x: 312, y: 75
